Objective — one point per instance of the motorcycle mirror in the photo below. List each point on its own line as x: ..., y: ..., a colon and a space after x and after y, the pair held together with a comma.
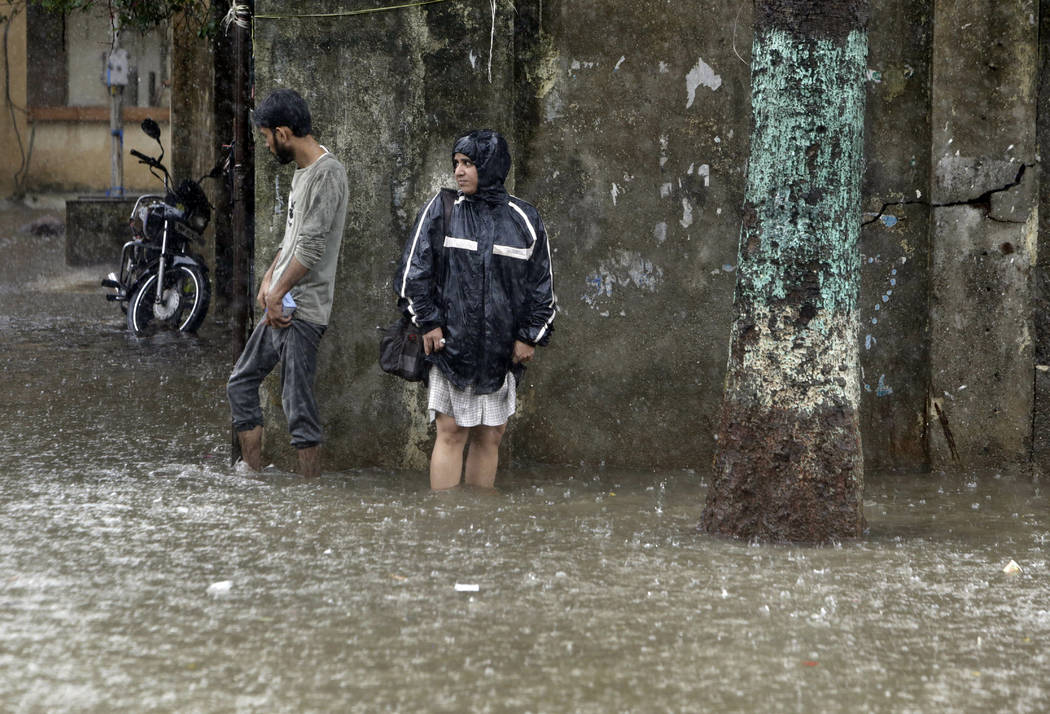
x: 151, y: 128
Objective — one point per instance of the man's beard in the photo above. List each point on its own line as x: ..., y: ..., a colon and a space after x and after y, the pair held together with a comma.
x: 282, y: 152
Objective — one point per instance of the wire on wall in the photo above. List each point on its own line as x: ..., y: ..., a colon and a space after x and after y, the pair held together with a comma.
x: 26, y: 154
x: 347, y: 13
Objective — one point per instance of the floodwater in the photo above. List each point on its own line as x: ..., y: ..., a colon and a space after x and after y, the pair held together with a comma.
x: 139, y: 572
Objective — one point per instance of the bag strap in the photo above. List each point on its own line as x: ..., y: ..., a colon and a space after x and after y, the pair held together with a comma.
x: 448, y: 199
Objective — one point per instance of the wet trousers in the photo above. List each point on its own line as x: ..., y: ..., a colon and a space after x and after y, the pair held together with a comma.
x: 295, y: 347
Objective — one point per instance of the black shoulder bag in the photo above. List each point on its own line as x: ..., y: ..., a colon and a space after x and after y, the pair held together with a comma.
x: 401, y: 344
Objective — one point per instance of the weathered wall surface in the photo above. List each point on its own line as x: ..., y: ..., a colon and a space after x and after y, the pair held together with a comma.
x: 200, y: 126
x: 984, y: 179
x: 637, y: 160
x: 895, y: 238
x: 1041, y: 281
x: 629, y: 124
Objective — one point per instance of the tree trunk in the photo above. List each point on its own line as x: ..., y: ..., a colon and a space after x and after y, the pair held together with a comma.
x: 788, y: 466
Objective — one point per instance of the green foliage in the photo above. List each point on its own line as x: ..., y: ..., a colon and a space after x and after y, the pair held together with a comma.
x: 141, y: 15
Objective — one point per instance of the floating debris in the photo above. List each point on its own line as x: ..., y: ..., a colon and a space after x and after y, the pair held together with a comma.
x: 1012, y: 568
x: 220, y: 588
x: 45, y: 226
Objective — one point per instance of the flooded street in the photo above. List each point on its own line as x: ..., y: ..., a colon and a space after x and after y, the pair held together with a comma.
x: 141, y: 573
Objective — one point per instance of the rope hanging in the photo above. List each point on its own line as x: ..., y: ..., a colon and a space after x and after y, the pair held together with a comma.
x: 347, y: 13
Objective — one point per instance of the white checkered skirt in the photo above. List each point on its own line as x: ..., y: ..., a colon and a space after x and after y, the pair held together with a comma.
x: 467, y: 408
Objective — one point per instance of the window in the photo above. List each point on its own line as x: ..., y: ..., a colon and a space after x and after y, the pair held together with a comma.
x: 66, y: 60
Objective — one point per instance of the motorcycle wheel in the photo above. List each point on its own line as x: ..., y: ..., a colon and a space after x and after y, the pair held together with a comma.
x: 186, y: 292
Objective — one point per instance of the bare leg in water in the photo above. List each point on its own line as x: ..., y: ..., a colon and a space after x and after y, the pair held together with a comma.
x: 251, y: 447
x: 446, y: 460
x: 483, y: 455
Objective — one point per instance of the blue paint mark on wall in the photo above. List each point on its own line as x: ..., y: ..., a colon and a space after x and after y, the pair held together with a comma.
x: 883, y: 389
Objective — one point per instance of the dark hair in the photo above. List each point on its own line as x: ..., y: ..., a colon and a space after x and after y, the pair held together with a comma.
x: 284, y: 107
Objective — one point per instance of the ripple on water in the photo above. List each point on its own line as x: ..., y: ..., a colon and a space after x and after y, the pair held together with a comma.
x: 594, y: 590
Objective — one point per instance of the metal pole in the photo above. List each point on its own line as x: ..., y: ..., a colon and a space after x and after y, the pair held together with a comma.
x: 243, y: 219
x: 116, y: 78
x: 116, y: 131
x: 243, y: 188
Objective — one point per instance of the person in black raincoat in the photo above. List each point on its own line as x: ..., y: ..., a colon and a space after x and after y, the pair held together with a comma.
x: 482, y: 289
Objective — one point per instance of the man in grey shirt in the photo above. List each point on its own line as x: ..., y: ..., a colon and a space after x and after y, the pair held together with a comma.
x: 296, y: 291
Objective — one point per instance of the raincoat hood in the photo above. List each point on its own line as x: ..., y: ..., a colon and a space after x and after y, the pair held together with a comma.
x: 491, y: 155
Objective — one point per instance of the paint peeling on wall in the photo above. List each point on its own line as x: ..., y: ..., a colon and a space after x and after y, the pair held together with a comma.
x: 554, y: 106
x: 703, y: 172
x: 870, y: 339
x: 278, y: 204
x: 576, y: 65
x: 701, y: 74
x: 881, y: 389
x: 687, y: 214
x: 626, y: 270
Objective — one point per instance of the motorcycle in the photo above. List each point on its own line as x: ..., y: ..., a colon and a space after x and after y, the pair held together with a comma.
x: 162, y: 285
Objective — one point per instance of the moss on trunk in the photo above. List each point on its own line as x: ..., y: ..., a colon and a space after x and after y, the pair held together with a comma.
x: 789, y: 464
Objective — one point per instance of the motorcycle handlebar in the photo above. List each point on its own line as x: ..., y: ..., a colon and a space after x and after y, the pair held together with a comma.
x: 148, y: 160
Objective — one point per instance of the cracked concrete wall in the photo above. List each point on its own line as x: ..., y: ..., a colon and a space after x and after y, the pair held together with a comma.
x: 894, y: 241
x: 633, y: 143
x: 983, y: 236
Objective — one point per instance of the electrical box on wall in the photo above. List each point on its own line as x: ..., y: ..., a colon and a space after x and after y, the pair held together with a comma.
x: 117, y: 68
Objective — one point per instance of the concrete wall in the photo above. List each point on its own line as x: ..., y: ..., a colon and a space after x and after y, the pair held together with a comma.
x: 629, y: 124
x: 97, y: 229
x: 1041, y: 271
x: 198, y: 132
x: 637, y: 161
x: 895, y: 238
x: 984, y: 234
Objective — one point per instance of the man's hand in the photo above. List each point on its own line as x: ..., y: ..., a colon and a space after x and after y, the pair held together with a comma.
x: 275, y: 310
x: 264, y: 284
x: 522, y: 352
x: 264, y: 288
x: 433, y: 341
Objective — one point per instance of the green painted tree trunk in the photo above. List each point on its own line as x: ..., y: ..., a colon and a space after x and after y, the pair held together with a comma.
x: 788, y: 466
